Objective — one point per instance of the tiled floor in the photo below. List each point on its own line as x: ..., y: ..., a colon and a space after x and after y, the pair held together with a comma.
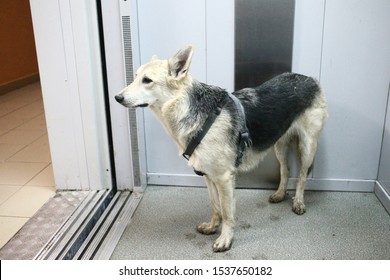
x: 26, y: 176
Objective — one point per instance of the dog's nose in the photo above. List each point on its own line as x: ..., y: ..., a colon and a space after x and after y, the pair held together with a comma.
x: 119, y: 98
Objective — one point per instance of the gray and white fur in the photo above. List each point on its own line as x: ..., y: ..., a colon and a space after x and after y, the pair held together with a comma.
x: 285, y: 107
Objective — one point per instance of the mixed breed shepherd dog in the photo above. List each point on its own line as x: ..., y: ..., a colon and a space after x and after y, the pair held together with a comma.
x: 223, y: 133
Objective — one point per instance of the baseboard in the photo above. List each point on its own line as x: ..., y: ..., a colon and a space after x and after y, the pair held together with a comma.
x: 312, y: 184
x: 164, y: 179
x: 346, y: 185
x: 18, y: 83
x: 383, y: 196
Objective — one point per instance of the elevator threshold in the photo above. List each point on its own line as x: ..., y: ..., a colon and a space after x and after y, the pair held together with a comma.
x: 94, y: 228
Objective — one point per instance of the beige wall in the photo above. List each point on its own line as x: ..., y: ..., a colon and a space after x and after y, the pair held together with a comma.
x: 18, y: 62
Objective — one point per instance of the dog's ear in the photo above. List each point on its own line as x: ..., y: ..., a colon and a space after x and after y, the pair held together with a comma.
x: 178, y: 64
x: 154, y: 57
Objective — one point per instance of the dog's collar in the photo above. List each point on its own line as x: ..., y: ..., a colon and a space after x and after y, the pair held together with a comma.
x: 244, y: 140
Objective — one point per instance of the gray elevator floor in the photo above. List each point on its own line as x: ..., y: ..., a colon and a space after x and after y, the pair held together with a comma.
x: 337, y: 225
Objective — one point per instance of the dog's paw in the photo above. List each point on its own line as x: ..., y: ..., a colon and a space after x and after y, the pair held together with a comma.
x: 298, y: 207
x: 277, y: 197
x: 206, y: 228
x: 222, y: 244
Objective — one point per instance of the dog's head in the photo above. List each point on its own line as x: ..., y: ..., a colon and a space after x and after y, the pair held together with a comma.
x: 157, y: 81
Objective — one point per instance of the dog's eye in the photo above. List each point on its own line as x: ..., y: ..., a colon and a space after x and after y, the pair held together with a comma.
x: 146, y: 80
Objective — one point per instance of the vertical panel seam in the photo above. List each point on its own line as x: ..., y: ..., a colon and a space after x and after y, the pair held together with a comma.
x: 384, y: 131
x: 205, y: 32
x: 322, y: 40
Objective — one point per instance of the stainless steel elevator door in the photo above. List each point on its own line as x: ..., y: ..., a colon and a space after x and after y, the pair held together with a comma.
x: 264, y: 31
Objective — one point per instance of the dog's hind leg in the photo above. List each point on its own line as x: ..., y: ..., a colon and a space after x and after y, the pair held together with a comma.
x: 281, y: 151
x: 307, y: 150
x: 212, y: 226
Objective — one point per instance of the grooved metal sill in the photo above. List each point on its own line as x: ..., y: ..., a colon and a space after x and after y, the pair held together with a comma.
x: 94, y: 228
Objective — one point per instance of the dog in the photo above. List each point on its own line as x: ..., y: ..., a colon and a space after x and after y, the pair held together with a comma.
x: 287, y: 106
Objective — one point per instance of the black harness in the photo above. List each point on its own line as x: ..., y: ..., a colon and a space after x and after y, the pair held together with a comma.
x: 243, y: 142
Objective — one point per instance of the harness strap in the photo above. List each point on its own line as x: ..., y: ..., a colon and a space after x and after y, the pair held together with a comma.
x: 243, y: 141
x: 195, y: 141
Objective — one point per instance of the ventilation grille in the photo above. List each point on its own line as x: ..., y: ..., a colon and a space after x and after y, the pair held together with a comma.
x: 128, y: 52
x: 128, y: 56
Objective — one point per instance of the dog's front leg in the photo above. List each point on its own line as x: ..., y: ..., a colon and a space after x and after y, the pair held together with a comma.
x: 212, y: 226
x: 225, y: 185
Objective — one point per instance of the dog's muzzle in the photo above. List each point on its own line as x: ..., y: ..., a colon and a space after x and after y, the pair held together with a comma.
x: 119, y: 98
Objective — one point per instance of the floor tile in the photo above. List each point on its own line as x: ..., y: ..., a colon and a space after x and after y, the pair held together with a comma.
x: 6, y: 191
x: 14, y: 104
x: 28, y: 112
x: 38, y: 151
x: 8, y: 227
x: 19, y: 173
x: 30, y: 91
x: 5, y: 97
x: 21, y: 203
x: 5, y: 109
x: 21, y: 137
x: 2, y: 131
x: 8, y: 150
x: 44, y: 179
x: 20, y: 105
x: 37, y: 123
x: 24, y: 158
x: 8, y: 123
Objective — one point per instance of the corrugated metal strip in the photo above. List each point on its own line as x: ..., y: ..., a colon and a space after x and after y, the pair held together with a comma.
x: 128, y: 56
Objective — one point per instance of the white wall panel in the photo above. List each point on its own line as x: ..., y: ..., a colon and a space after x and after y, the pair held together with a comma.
x: 308, y: 32
x: 165, y: 27
x: 220, y: 43
x: 355, y: 75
